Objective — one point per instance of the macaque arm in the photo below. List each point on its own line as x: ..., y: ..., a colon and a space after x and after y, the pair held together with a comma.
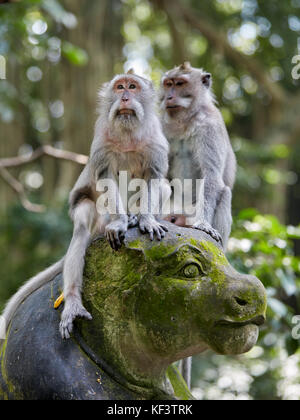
x: 211, y: 150
x: 209, y: 156
x: 156, y: 193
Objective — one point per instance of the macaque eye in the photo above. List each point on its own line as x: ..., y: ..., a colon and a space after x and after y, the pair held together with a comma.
x: 191, y: 271
x: 168, y: 84
x: 180, y: 83
x: 120, y: 87
x: 132, y: 86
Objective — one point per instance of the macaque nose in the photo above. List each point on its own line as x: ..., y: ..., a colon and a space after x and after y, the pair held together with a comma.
x: 170, y: 97
x: 125, y: 97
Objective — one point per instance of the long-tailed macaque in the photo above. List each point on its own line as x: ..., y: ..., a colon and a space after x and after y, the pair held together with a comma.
x: 199, y: 145
x: 200, y: 148
x: 128, y: 137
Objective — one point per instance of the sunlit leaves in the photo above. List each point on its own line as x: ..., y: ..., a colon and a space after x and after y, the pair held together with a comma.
x: 74, y: 54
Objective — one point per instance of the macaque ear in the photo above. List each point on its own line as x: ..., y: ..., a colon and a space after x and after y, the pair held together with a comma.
x: 103, y: 90
x: 207, y: 80
x: 186, y: 66
x: 131, y: 71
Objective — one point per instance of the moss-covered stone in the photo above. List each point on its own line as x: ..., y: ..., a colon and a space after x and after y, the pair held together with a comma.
x: 159, y: 302
x: 152, y: 303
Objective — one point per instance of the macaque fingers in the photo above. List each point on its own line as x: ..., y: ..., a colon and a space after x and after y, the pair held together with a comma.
x: 207, y: 228
x: 115, y: 234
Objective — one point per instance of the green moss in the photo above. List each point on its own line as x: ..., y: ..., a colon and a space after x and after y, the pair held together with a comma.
x: 137, y: 244
x: 159, y: 251
x: 218, y: 256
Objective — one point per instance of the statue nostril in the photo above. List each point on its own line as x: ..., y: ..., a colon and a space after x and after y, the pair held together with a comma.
x: 241, y: 302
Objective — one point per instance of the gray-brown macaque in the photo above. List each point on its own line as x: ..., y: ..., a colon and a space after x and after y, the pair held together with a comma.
x: 199, y: 149
x: 128, y: 137
x: 200, y: 145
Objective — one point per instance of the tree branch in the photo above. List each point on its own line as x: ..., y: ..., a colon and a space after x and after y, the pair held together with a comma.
x: 46, y: 150
x: 179, y: 52
x: 19, y: 190
x: 43, y: 151
x: 219, y: 41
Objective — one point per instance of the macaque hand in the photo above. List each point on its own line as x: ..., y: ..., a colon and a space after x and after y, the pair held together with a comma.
x: 207, y: 228
x: 73, y: 309
x: 115, y: 233
x: 148, y: 224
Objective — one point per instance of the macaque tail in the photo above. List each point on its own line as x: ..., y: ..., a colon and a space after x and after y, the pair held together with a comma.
x: 28, y: 288
x: 185, y: 368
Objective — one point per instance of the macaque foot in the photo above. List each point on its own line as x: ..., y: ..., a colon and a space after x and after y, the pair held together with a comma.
x: 115, y: 233
x: 206, y: 227
x: 132, y: 221
x: 151, y: 226
x: 73, y: 309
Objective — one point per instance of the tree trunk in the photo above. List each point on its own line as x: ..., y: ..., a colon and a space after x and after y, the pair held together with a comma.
x: 98, y: 32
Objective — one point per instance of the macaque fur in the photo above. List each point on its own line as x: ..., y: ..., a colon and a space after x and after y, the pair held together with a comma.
x: 128, y: 137
x: 200, y: 147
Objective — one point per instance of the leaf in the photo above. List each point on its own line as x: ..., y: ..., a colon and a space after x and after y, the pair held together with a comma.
x: 292, y: 345
x: 55, y: 9
x: 248, y: 214
x: 74, y: 54
x: 287, y: 282
x: 277, y: 307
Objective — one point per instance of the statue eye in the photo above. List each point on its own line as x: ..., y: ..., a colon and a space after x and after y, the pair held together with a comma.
x: 191, y: 271
x: 132, y: 86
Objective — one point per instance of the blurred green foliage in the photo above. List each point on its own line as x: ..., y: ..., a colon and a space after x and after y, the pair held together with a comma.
x: 261, y: 246
x: 34, y: 39
x: 29, y: 243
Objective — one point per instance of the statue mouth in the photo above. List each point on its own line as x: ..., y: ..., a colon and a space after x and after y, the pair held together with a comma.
x: 258, y: 321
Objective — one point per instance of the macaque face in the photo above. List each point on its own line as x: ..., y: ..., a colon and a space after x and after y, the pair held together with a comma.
x: 127, y: 91
x: 183, y: 89
x: 178, y: 94
x: 128, y: 107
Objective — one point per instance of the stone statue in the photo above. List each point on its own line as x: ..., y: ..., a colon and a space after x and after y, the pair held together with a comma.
x: 152, y: 304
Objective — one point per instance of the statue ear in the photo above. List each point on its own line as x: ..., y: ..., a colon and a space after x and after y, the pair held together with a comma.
x: 131, y: 71
x: 207, y: 80
x: 186, y: 66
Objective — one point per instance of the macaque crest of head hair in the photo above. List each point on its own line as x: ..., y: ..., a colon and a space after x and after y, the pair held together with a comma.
x: 186, y: 66
x: 184, y: 89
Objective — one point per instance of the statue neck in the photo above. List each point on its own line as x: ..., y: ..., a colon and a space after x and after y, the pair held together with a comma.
x: 131, y: 367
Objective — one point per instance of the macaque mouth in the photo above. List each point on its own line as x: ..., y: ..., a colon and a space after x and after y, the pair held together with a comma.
x: 126, y: 112
x: 173, y: 107
x: 258, y: 321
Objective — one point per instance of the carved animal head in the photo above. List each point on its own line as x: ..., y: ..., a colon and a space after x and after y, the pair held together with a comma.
x: 185, y: 88
x: 155, y: 303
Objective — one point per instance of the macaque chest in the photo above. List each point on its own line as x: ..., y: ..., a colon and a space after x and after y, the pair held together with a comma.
x: 133, y: 164
x: 181, y: 159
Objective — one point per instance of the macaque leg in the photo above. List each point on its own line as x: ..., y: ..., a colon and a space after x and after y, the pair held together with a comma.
x: 185, y: 368
x: 223, y: 217
x: 212, y: 190
x: 84, y: 221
